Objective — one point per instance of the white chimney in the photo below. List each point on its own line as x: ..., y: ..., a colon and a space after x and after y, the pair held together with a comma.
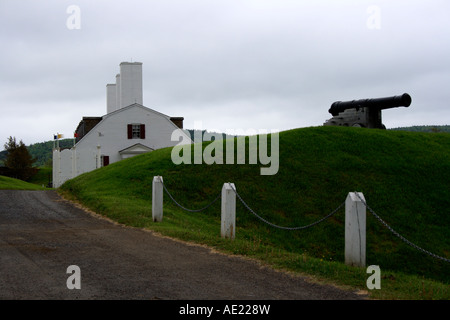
x: 130, y: 83
x: 127, y: 89
x: 118, y: 93
x: 111, y: 104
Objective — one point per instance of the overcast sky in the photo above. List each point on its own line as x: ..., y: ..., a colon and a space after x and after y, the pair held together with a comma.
x: 232, y: 64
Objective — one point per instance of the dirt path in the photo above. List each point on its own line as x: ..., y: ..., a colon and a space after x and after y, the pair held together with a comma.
x: 41, y: 235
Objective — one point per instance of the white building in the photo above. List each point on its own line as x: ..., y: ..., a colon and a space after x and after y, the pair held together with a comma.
x: 126, y: 130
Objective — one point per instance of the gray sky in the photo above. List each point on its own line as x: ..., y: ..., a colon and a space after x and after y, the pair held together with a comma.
x: 232, y: 64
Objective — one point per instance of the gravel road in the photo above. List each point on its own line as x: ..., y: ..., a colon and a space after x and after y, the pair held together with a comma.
x: 41, y: 235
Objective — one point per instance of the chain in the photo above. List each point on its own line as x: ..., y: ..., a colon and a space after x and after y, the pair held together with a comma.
x: 190, y: 210
x: 399, y: 235
x: 281, y: 227
x: 312, y: 224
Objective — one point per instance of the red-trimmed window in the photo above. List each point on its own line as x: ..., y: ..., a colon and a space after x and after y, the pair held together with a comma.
x: 136, y: 131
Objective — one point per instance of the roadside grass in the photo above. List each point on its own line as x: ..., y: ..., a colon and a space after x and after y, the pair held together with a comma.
x: 7, y: 183
x: 405, y: 178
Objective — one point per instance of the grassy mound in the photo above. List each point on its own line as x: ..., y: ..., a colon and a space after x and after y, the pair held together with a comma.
x: 404, y: 176
x: 7, y: 183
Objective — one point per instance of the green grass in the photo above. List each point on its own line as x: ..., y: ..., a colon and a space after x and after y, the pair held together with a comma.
x: 404, y: 176
x: 42, y: 177
x: 7, y: 183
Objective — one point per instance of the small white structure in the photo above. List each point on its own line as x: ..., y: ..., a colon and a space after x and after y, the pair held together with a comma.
x: 228, y: 211
x: 157, y: 198
x: 355, y: 230
x: 126, y: 130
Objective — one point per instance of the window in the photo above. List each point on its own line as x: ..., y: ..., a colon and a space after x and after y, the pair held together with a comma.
x: 136, y: 131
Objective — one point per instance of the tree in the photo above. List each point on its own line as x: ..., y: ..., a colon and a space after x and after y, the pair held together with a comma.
x: 18, y: 160
x: 435, y: 129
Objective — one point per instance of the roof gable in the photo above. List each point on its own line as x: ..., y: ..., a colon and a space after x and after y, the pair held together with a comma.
x: 135, y: 105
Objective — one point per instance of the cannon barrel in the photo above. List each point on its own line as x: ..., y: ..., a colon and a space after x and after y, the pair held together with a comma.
x: 379, y: 103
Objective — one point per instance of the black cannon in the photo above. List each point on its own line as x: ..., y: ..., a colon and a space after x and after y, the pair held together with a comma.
x: 365, y: 112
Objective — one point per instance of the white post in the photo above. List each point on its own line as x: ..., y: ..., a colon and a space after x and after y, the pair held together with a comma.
x: 157, y: 199
x: 56, y: 168
x: 355, y: 230
x: 99, y: 162
x: 228, y: 215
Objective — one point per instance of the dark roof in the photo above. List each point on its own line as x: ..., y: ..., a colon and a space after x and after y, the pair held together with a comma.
x: 86, y: 124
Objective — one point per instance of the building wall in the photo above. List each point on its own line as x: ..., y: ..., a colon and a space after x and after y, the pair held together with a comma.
x: 62, y: 166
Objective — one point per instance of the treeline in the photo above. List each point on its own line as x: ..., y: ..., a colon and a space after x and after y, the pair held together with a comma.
x: 18, y: 163
x: 41, y: 151
x: 445, y: 128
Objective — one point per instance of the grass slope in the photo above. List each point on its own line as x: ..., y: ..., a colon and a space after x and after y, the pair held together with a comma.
x: 404, y: 176
x: 7, y: 183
